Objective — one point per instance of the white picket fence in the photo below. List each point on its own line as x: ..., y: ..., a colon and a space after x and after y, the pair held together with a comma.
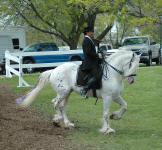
x: 18, y: 58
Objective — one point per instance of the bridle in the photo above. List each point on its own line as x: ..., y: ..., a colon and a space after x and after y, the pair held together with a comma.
x: 106, y: 64
x: 117, y: 70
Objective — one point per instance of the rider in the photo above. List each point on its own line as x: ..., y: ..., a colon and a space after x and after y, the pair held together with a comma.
x: 91, y: 62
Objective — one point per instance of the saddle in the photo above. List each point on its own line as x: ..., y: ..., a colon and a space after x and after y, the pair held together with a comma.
x: 82, y: 79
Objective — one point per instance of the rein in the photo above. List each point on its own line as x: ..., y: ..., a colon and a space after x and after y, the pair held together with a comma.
x: 117, y: 70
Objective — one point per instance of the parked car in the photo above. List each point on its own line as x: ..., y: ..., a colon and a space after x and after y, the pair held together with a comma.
x: 143, y: 44
x: 38, y: 47
x: 41, y: 46
x: 105, y: 47
x: 60, y: 56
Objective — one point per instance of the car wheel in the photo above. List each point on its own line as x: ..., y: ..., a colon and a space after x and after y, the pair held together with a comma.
x: 149, y: 63
x: 75, y: 59
x: 28, y: 70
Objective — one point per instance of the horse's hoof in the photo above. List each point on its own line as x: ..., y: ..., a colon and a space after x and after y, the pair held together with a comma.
x: 103, y: 130
x: 110, y: 131
x: 56, y: 124
x: 69, y: 125
x: 107, y: 131
x: 114, y: 117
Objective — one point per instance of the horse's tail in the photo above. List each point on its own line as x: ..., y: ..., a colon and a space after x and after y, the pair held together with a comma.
x: 29, y: 97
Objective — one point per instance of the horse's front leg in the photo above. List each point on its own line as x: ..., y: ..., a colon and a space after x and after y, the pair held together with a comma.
x: 106, y: 128
x: 119, y: 113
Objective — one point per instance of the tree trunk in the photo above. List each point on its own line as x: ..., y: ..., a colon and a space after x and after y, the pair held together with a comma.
x: 91, y: 20
x: 73, y: 45
x: 73, y: 41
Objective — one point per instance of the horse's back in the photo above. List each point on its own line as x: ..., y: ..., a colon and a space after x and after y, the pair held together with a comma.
x: 64, y: 75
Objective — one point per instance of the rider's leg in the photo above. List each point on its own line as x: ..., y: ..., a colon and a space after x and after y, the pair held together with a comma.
x: 95, y: 76
x: 85, y: 89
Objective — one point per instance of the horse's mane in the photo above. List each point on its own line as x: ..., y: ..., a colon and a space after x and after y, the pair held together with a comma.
x: 118, y: 53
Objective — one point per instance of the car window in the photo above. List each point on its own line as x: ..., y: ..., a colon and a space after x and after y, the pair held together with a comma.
x: 30, y: 48
x: 103, y: 48
x: 54, y: 46
x: 109, y: 47
x: 133, y: 41
x: 44, y: 47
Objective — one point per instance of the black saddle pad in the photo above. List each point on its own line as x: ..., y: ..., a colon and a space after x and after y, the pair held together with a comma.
x: 82, y: 79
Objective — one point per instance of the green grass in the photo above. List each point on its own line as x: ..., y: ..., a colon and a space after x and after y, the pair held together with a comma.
x: 139, y: 129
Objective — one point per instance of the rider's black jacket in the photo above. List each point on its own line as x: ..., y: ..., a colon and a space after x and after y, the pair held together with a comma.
x: 91, y: 59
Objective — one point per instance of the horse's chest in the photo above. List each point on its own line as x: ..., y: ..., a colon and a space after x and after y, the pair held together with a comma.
x: 114, y: 88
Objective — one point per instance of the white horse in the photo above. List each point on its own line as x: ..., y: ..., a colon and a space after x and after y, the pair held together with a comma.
x: 119, y: 66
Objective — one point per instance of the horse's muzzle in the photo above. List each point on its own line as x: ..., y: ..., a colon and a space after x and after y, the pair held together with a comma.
x: 130, y: 79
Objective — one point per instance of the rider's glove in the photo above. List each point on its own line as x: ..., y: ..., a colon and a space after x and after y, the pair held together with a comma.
x: 100, y: 55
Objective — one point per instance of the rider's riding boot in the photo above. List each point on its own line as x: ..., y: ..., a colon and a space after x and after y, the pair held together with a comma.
x: 85, y: 89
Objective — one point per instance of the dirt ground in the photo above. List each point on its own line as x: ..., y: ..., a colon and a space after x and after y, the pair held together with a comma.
x: 24, y: 129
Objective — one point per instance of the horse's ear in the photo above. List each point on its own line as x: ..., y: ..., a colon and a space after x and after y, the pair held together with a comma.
x: 140, y: 53
x: 137, y: 55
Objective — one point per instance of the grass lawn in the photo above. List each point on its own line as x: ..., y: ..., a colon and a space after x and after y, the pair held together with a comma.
x: 139, y: 129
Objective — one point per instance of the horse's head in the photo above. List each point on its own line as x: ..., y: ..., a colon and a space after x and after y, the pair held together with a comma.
x: 130, y: 65
x: 126, y: 63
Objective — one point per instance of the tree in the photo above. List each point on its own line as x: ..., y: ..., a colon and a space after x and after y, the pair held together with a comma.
x: 137, y: 18
x: 146, y: 16
x: 63, y: 18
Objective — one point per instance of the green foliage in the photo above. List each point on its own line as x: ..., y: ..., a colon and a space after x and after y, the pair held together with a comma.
x: 147, y: 17
x: 65, y: 19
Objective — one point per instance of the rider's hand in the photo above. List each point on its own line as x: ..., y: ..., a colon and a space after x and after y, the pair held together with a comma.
x: 100, y: 55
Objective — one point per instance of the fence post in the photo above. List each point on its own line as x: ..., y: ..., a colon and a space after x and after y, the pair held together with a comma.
x: 22, y: 82
x: 7, y: 64
x: 20, y: 72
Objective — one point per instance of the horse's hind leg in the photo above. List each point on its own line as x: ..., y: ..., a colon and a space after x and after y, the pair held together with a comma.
x: 67, y: 123
x: 119, y: 113
x: 60, y: 107
x: 57, y: 118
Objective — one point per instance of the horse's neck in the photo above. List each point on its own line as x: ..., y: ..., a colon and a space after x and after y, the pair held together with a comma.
x: 116, y: 62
